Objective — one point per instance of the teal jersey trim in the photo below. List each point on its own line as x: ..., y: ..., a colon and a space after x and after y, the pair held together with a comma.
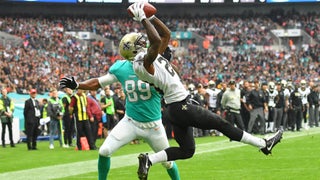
x: 142, y: 100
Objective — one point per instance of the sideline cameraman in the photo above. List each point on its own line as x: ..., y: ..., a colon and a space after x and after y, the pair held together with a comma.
x: 54, y: 110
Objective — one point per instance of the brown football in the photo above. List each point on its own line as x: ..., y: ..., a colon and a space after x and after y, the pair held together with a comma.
x: 148, y: 8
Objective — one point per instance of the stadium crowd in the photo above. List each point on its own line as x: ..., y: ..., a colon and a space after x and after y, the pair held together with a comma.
x: 46, y: 49
x: 47, y: 52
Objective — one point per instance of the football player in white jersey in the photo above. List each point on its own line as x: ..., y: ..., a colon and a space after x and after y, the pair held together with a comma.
x: 151, y: 67
x: 304, y: 91
x: 143, y: 111
x: 211, y: 96
x: 271, y: 104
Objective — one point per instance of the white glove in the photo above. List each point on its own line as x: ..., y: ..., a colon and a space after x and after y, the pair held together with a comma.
x: 137, y: 11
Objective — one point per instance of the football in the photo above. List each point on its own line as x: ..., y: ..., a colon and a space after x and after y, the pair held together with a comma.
x: 148, y: 8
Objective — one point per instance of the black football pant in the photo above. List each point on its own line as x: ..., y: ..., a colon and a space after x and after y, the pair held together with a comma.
x: 184, y: 116
x: 9, y: 124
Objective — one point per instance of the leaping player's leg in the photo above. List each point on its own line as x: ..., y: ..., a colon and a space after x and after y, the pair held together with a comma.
x: 103, y: 167
x: 158, y: 141
x: 121, y: 134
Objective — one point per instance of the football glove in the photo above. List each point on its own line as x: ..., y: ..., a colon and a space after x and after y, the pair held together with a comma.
x: 137, y: 11
x: 68, y: 83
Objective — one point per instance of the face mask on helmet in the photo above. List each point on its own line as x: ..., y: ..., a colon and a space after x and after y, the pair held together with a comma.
x: 131, y: 44
x: 283, y: 83
x: 167, y: 53
x: 191, y: 87
x: 271, y: 86
x: 303, y: 83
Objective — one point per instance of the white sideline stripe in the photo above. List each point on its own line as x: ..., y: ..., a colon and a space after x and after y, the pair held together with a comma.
x: 83, y: 167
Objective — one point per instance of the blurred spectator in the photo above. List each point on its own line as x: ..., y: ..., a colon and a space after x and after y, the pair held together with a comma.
x: 120, y: 105
x: 6, y: 113
x: 280, y: 105
x: 245, y: 114
x: 313, y: 100
x: 94, y: 113
x: 107, y: 105
x: 31, y: 113
x: 44, y: 114
x: 78, y: 107
x: 67, y: 118
x: 296, y: 106
x: 220, y: 109
x: 211, y: 96
x: 304, y: 91
x: 55, y: 112
x: 231, y: 103
x: 257, y: 106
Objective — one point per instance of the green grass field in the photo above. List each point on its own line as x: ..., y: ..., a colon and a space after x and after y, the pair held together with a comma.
x: 296, y: 157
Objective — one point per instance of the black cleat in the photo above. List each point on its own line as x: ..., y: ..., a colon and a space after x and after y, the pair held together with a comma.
x: 144, y: 165
x: 271, y: 142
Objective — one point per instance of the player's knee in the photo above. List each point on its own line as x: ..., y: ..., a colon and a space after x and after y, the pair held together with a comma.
x: 188, y: 153
x: 167, y: 165
x: 104, y: 151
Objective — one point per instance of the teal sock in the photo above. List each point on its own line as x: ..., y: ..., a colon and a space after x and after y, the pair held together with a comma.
x: 174, y: 172
x: 103, y: 167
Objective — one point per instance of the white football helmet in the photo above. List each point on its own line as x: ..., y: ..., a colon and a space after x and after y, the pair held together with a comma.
x: 284, y: 83
x: 131, y: 44
x: 303, y: 83
x: 212, y: 84
x: 271, y: 85
x: 191, y: 87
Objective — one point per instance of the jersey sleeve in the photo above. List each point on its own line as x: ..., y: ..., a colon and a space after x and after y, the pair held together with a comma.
x: 107, y: 79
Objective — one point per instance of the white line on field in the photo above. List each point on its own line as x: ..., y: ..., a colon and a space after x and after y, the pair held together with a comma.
x: 72, y: 169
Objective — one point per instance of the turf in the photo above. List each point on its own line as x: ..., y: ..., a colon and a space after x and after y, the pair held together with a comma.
x: 296, y: 157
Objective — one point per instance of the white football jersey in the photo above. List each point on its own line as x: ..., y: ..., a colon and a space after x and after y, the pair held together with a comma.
x: 286, y: 93
x: 165, y: 78
x: 304, y: 95
x: 272, y: 95
x: 213, y: 94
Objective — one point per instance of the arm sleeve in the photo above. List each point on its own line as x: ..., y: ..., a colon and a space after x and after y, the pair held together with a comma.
x: 107, y: 79
x: 223, y: 100
x: 25, y: 109
x: 49, y: 109
x: 72, y: 102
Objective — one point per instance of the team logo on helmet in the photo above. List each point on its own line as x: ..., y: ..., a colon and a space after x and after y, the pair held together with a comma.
x: 131, y: 44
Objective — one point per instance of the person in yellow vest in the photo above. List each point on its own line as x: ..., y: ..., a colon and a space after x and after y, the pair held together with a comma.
x: 68, y: 121
x: 6, y: 112
x: 108, y: 106
x: 78, y: 109
x: 55, y: 112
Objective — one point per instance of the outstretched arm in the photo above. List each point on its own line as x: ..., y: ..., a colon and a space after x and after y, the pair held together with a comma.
x: 163, y: 31
x: 153, y: 36
x: 90, y: 84
x: 154, y: 48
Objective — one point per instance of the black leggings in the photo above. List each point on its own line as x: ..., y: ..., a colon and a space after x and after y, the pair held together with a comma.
x: 9, y: 124
x: 184, y: 116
